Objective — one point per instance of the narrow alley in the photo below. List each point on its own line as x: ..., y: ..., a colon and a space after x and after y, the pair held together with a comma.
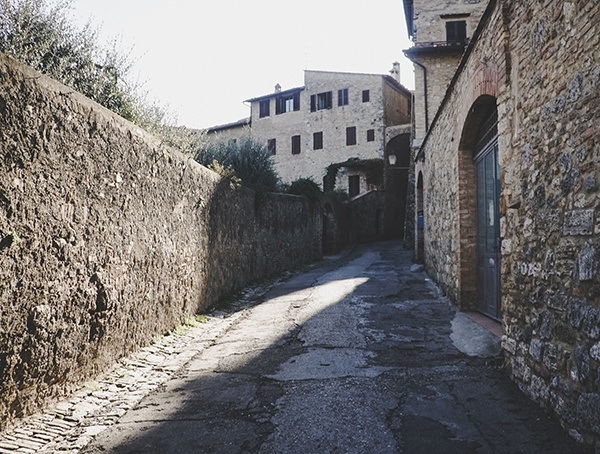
x: 356, y: 355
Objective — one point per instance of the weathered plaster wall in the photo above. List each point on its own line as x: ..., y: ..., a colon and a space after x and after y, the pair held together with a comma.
x: 440, y: 68
x: 107, y: 238
x: 538, y: 60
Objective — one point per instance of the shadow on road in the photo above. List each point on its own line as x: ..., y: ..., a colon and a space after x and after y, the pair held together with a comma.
x: 353, y: 356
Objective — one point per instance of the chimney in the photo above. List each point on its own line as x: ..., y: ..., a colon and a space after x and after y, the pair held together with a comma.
x: 277, y: 88
x: 395, y: 71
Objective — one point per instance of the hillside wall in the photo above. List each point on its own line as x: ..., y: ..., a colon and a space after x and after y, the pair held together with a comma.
x: 108, y: 238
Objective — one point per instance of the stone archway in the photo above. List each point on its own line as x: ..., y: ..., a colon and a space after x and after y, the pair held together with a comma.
x: 398, y: 190
x: 474, y: 180
x: 420, y: 221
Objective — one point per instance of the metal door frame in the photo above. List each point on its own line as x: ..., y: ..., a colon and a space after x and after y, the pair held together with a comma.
x: 487, y: 143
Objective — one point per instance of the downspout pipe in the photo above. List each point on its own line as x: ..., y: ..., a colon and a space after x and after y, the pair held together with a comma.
x: 424, y: 93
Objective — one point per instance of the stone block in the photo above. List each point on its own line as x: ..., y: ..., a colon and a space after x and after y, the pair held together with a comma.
x: 580, y: 363
x: 591, y: 323
x: 535, y: 349
x: 587, y: 264
x: 578, y: 222
x: 556, y: 300
x: 588, y: 411
x: 577, y: 311
x: 595, y: 352
x: 545, y: 324
x: 551, y: 356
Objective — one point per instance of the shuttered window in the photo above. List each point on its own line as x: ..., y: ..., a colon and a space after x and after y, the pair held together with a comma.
x: 343, y: 97
x: 318, y: 141
x: 264, y: 108
x: 456, y: 31
x: 320, y: 101
x: 351, y: 135
x: 295, y: 144
x: 287, y: 103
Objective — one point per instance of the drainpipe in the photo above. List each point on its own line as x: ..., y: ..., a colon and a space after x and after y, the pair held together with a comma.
x: 424, y: 93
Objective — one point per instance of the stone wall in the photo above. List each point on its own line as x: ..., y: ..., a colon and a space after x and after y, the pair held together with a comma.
x: 537, y: 62
x: 108, y: 238
x: 367, y: 212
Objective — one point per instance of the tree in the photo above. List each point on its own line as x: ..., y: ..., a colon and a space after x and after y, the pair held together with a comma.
x: 249, y: 160
x: 40, y: 33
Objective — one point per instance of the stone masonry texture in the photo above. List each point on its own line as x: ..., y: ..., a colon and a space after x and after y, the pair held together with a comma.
x: 108, y: 238
x: 537, y: 62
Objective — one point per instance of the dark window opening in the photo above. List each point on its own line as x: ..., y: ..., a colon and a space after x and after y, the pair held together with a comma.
x: 288, y: 103
x: 318, y: 141
x: 366, y: 96
x: 265, y: 108
x: 272, y: 146
x: 295, y: 144
x: 343, y: 97
x: 353, y: 185
x: 370, y: 135
x: 351, y: 135
x: 320, y: 101
x: 456, y: 31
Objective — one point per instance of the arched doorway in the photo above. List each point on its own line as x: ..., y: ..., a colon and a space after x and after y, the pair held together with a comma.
x: 485, y: 157
x: 479, y: 195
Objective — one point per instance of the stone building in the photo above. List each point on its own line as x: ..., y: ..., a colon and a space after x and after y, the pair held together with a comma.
x: 230, y: 131
x: 334, y: 117
x: 507, y: 185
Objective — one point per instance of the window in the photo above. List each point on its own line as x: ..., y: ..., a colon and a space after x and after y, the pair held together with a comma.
x: 295, y: 144
x: 351, y: 135
x: 287, y: 103
x: 318, y: 141
x: 343, y: 97
x: 320, y: 101
x: 366, y: 95
x: 456, y: 31
x: 370, y: 135
x: 353, y: 185
x: 264, y: 108
x: 272, y: 146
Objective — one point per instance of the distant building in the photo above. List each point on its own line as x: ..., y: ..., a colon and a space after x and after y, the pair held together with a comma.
x: 230, y: 131
x: 333, y: 118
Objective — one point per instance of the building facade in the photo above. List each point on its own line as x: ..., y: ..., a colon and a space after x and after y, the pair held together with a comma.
x: 440, y: 31
x: 507, y: 190
x: 333, y: 118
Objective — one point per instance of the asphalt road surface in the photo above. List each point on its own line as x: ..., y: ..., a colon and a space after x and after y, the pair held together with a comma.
x: 360, y: 355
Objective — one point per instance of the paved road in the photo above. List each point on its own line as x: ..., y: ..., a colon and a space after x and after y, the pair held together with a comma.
x: 357, y: 356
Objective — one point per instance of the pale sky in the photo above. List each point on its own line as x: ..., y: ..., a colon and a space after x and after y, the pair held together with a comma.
x: 204, y: 58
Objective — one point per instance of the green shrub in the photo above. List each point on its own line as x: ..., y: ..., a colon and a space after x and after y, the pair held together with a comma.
x: 250, y: 161
x: 306, y: 187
